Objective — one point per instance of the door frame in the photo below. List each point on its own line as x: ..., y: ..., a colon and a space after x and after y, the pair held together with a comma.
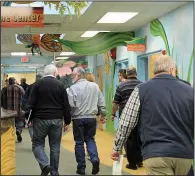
x: 148, y: 55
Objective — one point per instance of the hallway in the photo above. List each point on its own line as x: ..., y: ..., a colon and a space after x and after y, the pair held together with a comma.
x: 27, y: 165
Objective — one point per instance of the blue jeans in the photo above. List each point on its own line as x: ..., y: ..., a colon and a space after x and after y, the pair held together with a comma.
x: 19, y: 124
x: 30, y: 130
x: 84, y: 130
x: 52, y: 129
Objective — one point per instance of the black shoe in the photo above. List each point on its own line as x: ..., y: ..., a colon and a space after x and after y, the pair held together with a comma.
x: 80, y: 172
x: 132, y: 167
x: 19, y: 137
x: 140, y: 164
x: 46, y: 170
x: 96, y: 167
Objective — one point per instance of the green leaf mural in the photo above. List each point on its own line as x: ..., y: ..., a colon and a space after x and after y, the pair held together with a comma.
x: 98, y: 44
x: 157, y: 29
x: 137, y: 40
x: 190, y: 67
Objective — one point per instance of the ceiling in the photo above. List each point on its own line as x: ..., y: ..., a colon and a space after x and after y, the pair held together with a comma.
x: 74, y: 28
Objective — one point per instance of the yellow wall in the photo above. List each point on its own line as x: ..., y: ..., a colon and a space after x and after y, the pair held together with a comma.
x: 30, y: 77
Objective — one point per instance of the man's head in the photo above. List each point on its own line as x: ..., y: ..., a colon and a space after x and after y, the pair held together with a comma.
x: 23, y: 80
x: 39, y: 76
x: 78, y: 73
x: 12, y: 81
x: 122, y: 75
x: 131, y: 72
x: 51, y: 70
x: 164, y: 64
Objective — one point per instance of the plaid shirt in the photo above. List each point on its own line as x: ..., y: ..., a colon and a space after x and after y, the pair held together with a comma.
x: 11, y: 98
x: 128, y: 120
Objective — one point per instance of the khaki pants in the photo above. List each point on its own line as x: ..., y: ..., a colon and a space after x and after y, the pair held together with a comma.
x: 167, y: 166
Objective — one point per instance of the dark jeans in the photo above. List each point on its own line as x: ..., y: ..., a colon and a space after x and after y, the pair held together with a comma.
x: 191, y: 172
x: 134, y: 156
x: 84, y: 130
x: 19, y: 124
x: 52, y: 129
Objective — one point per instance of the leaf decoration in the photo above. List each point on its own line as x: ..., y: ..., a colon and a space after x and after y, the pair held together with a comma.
x: 101, y: 43
x: 190, y: 67
x: 157, y: 29
x: 137, y: 40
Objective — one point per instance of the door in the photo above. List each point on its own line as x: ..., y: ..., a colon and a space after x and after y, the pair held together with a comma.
x: 152, y: 59
x: 100, y: 83
x: 142, y: 68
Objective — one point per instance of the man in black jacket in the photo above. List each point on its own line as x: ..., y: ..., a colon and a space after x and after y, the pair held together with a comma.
x: 49, y: 103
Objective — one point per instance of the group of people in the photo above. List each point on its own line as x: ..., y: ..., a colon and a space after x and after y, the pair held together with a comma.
x: 161, y: 112
x: 51, y: 108
x: 156, y: 120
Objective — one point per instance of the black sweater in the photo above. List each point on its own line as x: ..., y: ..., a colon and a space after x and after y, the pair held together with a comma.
x: 49, y: 100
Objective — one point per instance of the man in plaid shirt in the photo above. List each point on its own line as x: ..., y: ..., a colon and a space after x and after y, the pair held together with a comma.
x: 11, y: 97
x: 164, y: 108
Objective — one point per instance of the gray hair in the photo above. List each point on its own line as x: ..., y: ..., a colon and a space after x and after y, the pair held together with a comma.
x: 163, y: 64
x: 50, y: 69
x: 39, y: 76
x: 81, y: 71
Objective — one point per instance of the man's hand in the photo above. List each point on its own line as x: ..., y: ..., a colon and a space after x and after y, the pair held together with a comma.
x: 103, y: 120
x: 113, y: 117
x: 66, y: 127
x: 115, y: 155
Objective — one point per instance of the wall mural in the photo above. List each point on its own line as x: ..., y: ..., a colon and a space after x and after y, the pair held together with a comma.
x: 35, y: 41
x: 157, y: 29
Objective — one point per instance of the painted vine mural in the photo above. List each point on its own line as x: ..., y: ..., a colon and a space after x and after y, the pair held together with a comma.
x: 157, y: 29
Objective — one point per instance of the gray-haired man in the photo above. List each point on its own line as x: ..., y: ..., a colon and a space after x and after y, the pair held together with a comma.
x: 86, y: 100
x: 49, y: 103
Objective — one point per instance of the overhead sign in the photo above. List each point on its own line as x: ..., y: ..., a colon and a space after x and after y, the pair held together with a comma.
x: 136, y: 47
x: 24, y: 59
x: 15, y: 17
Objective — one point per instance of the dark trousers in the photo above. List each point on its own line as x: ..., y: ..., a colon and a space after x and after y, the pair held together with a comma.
x: 134, y: 156
x: 19, y: 124
x: 191, y: 172
x: 52, y: 129
x: 84, y: 130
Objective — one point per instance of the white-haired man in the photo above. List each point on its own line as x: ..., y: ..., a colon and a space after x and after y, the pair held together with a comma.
x: 163, y: 107
x: 86, y: 100
x: 49, y: 103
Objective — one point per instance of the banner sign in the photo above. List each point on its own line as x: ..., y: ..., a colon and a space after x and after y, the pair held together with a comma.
x: 137, y: 44
x: 136, y: 47
x: 16, y: 17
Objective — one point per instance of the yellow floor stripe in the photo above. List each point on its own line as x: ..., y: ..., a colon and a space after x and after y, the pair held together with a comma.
x: 104, y: 142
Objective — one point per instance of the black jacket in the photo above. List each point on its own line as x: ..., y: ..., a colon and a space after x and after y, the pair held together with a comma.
x: 49, y: 100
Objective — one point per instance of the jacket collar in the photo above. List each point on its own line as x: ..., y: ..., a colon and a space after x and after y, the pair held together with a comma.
x: 164, y: 76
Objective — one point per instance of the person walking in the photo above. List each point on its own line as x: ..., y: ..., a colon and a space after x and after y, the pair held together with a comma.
x: 123, y: 92
x: 164, y: 109
x: 86, y: 100
x: 49, y: 103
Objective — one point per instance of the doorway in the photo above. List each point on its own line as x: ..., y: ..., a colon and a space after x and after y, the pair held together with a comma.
x: 142, y: 68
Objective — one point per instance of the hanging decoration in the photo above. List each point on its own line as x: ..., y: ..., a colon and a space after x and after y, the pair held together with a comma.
x: 35, y: 42
x: 101, y: 43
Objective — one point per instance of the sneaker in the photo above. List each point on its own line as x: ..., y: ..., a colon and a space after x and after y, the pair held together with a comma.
x: 96, y: 167
x: 80, y: 172
x: 19, y: 137
x: 46, y: 170
x: 131, y: 166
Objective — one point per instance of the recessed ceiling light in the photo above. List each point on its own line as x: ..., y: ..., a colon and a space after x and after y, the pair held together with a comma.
x: 61, y: 58
x: 117, y: 17
x: 91, y: 33
x: 18, y: 54
x: 67, y: 53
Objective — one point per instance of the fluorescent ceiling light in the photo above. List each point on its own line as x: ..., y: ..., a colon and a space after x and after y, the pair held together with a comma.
x: 61, y: 58
x: 67, y: 53
x: 18, y: 54
x: 117, y: 17
x: 91, y: 33
x: 31, y: 53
